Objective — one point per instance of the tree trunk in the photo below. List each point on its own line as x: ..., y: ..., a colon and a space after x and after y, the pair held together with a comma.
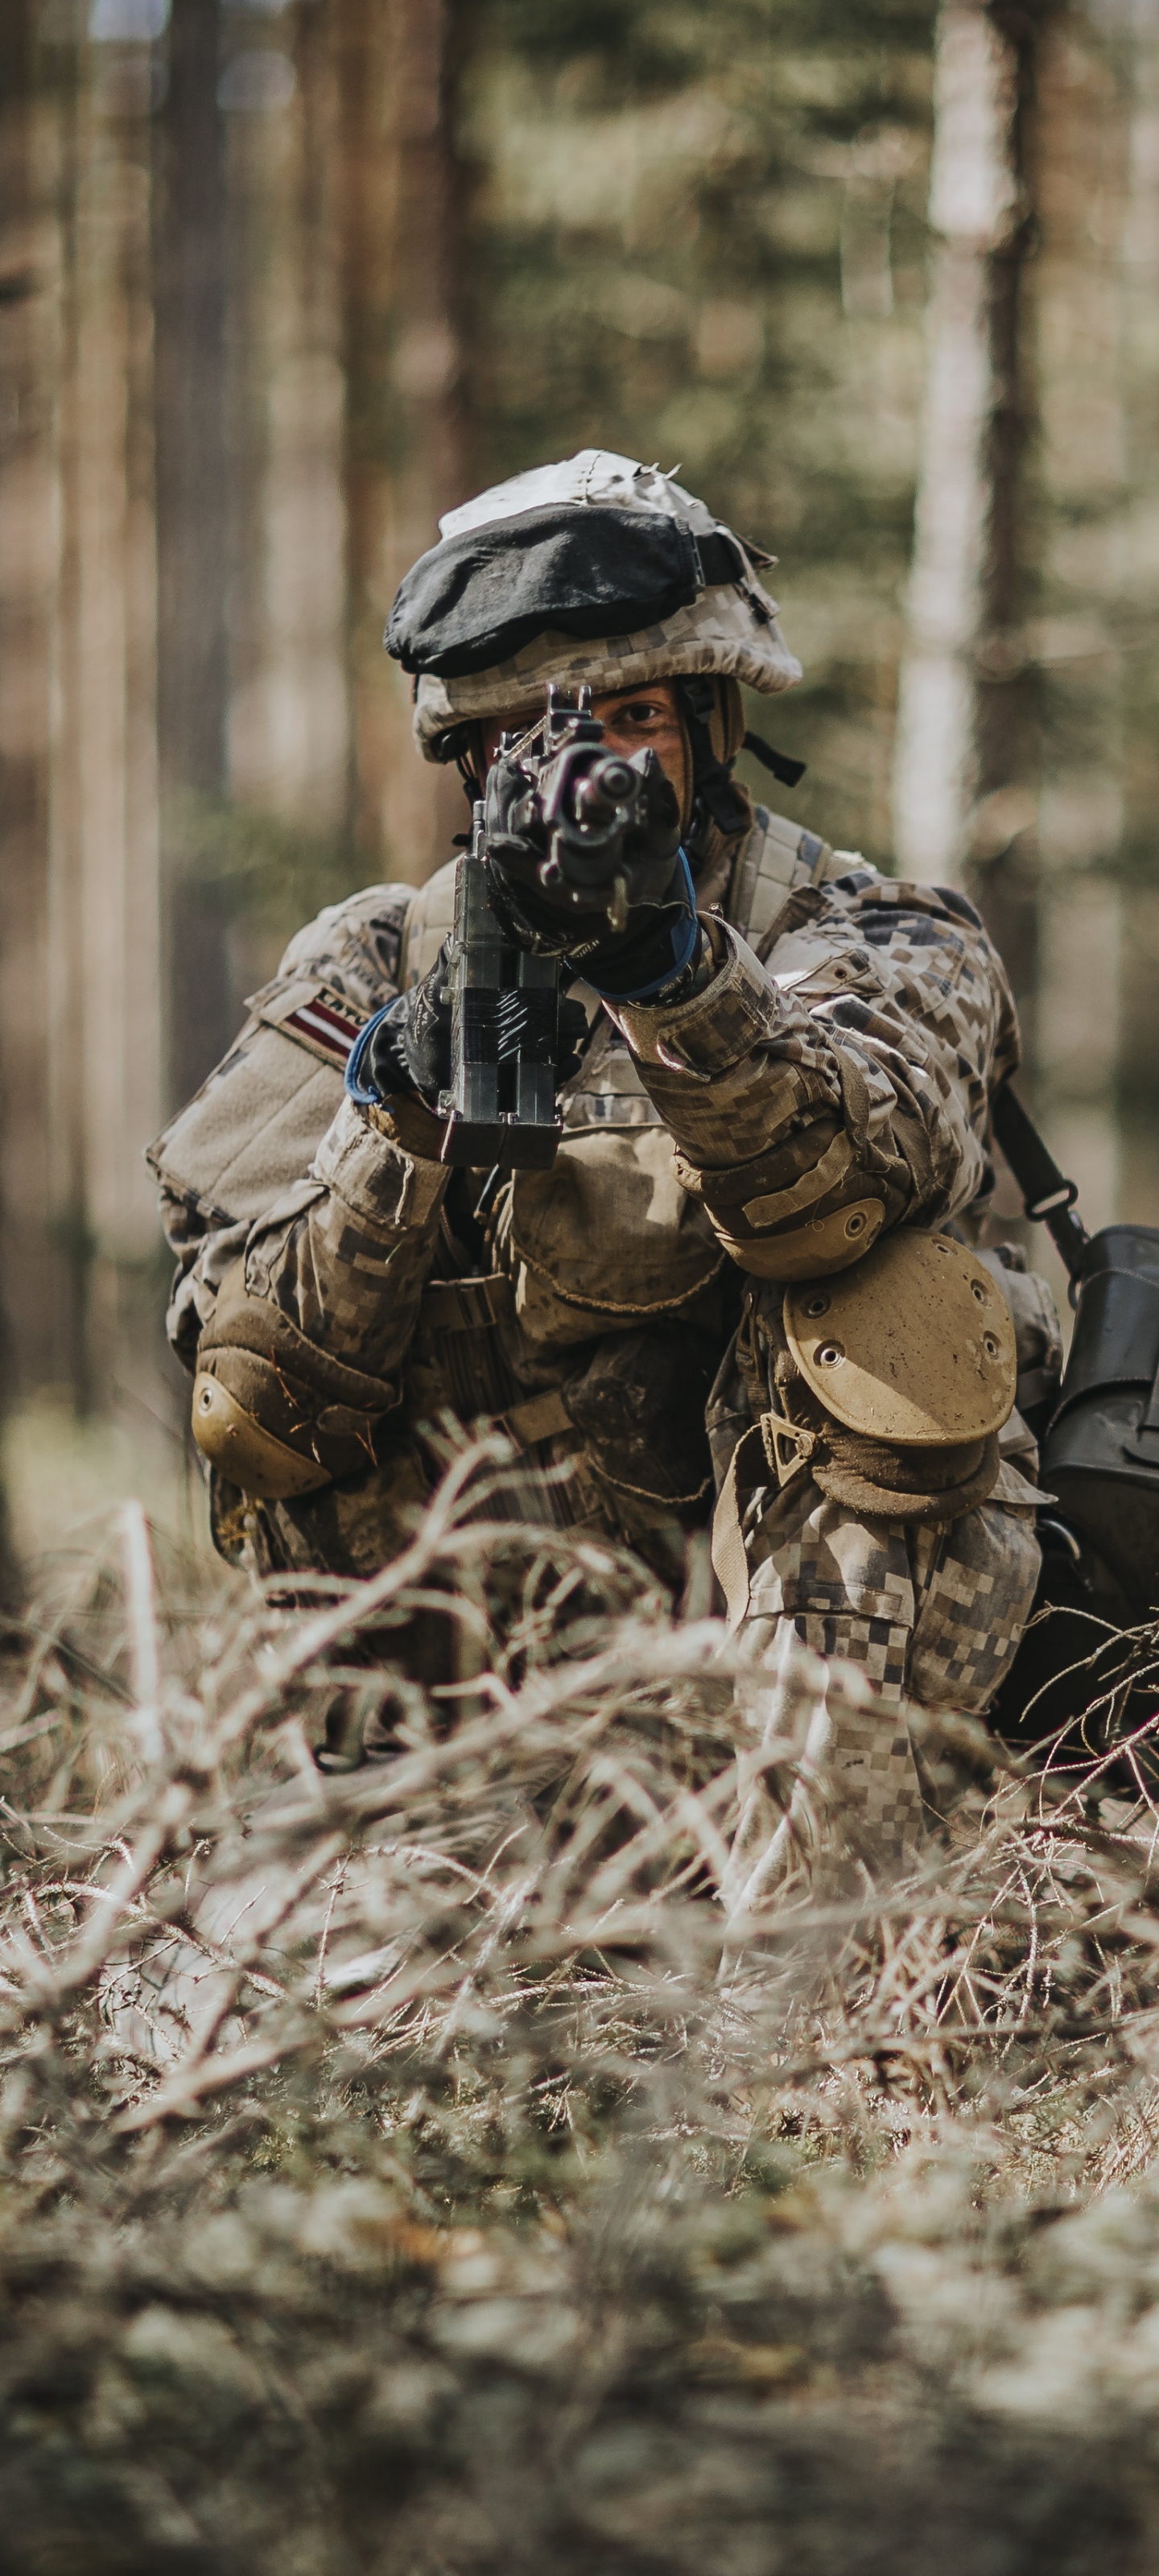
x: 82, y: 965
x: 192, y: 529
x: 29, y: 1273
x: 965, y: 754
x: 1009, y: 755
x: 408, y: 456
x: 288, y: 722
x: 104, y: 950
x: 27, y: 1269
x: 1093, y: 198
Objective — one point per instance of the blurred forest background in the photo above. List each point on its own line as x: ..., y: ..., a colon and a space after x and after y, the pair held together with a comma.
x: 280, y: 280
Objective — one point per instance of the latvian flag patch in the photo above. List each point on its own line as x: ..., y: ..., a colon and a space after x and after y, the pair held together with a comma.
x: 322, y: 1020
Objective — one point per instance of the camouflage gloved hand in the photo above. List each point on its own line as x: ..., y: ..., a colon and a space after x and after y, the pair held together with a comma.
x: 406, y: 1049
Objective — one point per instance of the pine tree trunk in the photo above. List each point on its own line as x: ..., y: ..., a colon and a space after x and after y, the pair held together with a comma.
x: 103, y: 997
x: 28, y: 1273
x: 288, y: 726
x: 408, y: 454
x: 29, y: 1277
x: 1093, y: 194
x: 1008, y: 756
x: 964, y: 738
x: 190, y: 254
x: 80, y: 1009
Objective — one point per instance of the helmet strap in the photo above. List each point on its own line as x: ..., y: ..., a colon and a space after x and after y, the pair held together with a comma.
x: 713, y: 790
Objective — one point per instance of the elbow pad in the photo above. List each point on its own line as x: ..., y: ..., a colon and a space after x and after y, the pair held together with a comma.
x: 273, y: 1413
x: 800, y: 1211
x: 239, y: 1446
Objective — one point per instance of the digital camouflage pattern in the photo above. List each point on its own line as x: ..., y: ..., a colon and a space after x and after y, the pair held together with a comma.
x: 931, y: 1614
x: 849, y: 1056
x: 829, y: 1078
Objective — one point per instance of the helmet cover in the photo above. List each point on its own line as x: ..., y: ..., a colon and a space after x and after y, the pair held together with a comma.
x: 596, y: 569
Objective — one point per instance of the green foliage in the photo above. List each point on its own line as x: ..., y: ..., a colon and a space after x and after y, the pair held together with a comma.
x: 636, y: 45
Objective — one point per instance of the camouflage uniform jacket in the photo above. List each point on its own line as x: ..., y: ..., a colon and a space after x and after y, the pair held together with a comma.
x: 834, y: 1073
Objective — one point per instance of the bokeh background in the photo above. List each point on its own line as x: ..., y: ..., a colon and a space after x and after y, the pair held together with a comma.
x: 280, y: 280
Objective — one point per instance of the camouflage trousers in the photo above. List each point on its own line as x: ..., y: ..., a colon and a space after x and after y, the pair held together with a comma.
x: 931, y: 1614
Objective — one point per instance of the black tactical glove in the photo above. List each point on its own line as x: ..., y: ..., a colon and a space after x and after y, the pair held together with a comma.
x: 406, y: 1049
x: 630, y: 933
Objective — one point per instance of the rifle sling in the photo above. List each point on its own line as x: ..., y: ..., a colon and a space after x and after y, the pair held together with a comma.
x: 1048, y: 1197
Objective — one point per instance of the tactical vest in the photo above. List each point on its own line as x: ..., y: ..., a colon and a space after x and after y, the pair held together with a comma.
x: 251, y: 1131
x: 608, y: 1237
x: 607, y: 1268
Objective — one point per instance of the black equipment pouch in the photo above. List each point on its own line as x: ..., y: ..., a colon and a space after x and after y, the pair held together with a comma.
x: 1099, y: 1458
x: 1100, y: 1452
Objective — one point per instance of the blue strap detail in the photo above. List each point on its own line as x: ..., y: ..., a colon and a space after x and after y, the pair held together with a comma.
x: 356, y: 1088
x: 646, y: 992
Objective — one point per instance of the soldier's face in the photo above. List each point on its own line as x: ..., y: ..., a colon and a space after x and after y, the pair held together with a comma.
x: 640, y: 719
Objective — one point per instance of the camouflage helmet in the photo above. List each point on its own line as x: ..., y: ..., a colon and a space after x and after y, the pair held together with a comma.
x: 596, y: 569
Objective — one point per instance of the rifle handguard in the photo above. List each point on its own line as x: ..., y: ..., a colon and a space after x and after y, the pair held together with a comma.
x: 500, y: 1103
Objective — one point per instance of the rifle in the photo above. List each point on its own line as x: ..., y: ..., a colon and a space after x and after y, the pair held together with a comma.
x: 582, y: 830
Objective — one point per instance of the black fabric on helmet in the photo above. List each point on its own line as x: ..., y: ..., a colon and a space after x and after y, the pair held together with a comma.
x: 478, y: 598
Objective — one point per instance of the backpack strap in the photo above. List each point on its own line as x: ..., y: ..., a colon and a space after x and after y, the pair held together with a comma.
x: 776, y: 859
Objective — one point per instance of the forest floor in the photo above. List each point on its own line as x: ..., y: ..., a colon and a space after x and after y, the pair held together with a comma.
x: 557, y: 2143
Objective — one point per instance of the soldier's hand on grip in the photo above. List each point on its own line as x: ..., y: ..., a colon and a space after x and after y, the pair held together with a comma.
x: 406, y: 1049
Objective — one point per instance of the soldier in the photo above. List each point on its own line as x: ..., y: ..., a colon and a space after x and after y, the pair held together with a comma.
x: 784, y: 1062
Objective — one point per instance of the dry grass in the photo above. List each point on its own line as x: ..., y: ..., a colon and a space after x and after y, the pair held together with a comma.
x: 525, y: 2150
